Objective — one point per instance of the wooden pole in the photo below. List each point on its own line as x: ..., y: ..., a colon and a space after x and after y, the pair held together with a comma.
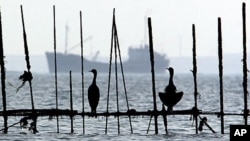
x: 245, y: 62
x: 82, y: 72
x: 123, y: 78
x: 5, y: 116
x: 110, y: 63
x: 54, y: 25
x: 164, y: 115
x: 195, y: 78
x: 71, y: 101
x: 26, y: 51
x: 220, y: 56
x: 116, y: 79
x: 151, y: 50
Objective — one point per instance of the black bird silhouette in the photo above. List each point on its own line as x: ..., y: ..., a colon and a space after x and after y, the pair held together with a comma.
x: 170, y: 87
x: 170, y: 97
x: 93, y: 93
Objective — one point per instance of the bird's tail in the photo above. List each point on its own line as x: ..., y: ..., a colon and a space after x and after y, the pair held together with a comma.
x: 93, y: 112
x: 170, y: 109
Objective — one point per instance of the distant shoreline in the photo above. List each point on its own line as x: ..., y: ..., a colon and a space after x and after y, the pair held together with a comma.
x: 206, y: 64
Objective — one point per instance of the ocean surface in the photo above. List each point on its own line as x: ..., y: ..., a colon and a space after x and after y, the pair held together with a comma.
x: 139, y: 93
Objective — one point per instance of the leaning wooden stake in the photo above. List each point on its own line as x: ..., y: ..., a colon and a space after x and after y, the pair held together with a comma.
x: 246, y: 111
x: 164, y: 116
x: 220, y: 56
x: 26, y: 51
x: 110, y: 63
x: 151, y: 50
x: 82, y: 71
x: 116, y: 74
x: 195, y: 78
x: 5, y: 116
x: 54, y: 19
x: 123, y: 78
x: 116, y: 84
x: 117, y: 50
x: 115, y: 45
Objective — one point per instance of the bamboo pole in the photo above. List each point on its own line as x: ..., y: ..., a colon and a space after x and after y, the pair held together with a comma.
x: 195, y: 78
x: 110, y: 63
x: 115, y: 42
x: 66, y: 112
x: 26, y: 51
x: 55, y: 60
x: 209, y: 127
x: 116, y: 78
x: 29, y: 74
x: 123, y: 78
x: 82, y: 72
x: 244, y: 62
x: 165, y: 119
x: 150, y: 119
x: 71, y: 101
x: 220, y: 56
x: 5, y: 116
x: 151, y: 50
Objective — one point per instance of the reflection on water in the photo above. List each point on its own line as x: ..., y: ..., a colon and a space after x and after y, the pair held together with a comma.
x: 139, y: 91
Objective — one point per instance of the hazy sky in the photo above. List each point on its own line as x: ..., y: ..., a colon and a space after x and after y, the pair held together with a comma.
x: 171, y: 22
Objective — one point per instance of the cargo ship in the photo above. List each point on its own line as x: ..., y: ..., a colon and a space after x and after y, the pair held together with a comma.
x: 138, y: 62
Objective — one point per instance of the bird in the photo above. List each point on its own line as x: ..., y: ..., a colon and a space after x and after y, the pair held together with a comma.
x: 170, y: 87
x: 93, y: 93
x: 170, y: 96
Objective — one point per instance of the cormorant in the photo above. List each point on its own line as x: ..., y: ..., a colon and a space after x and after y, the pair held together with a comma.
x: 170, y: 88
x: 93, y: 93
x: 170, y: 97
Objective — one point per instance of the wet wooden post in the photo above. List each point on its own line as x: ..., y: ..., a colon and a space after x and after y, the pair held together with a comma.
x: 115, y: 41
x: 220, y: 56
x: 246, y: 111
x: 5, y: 116
x: 26, y: 51
x: 54, y: 25
x: 71, y: 102
x: 116, y: 85
x: 110, y: 63
x: 123, y: 78
x: 115, y: 45
x: 116, y: 75
x: 165, y: 122
x: 151, y: 50
x: 82, y: 71
x: 195, y: 78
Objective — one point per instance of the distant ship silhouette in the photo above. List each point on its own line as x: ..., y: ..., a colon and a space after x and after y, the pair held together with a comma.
x: 138, y: 62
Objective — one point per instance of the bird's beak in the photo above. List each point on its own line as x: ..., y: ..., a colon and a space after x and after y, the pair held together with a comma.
x: 167, y: 68
x: 90, y: 70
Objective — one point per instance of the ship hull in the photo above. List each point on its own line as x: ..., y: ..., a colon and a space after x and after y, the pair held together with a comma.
x: 72, y: 62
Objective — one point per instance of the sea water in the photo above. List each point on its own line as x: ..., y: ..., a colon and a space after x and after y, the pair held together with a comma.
x: 139, y: 96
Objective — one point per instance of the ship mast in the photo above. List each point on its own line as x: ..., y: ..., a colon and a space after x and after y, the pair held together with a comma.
x: 66, y: 39
x: 145, y: 25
